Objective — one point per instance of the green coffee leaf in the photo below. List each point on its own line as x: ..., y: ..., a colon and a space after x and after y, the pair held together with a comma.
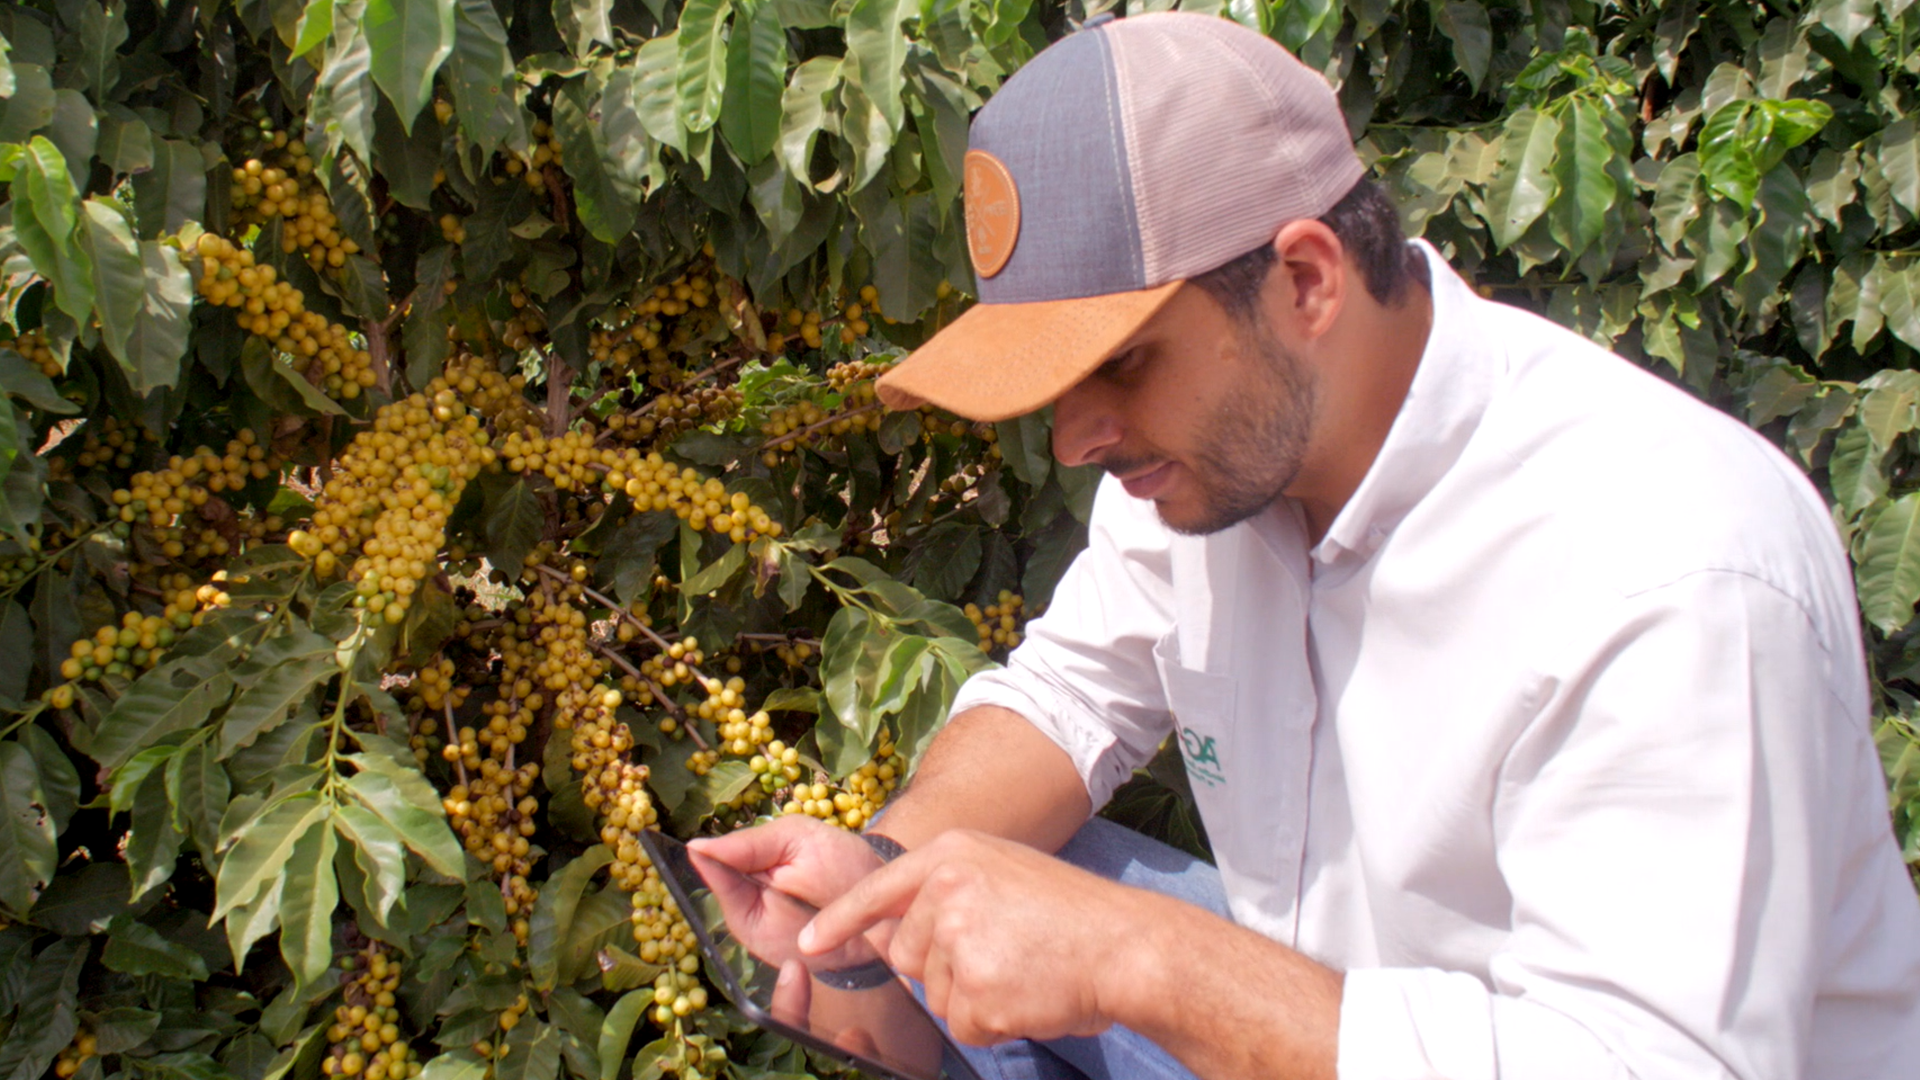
x: 1855, y: 471
x: 805, y: 112
x: 479, y: 73
x: 1900, y: 299
x: 553, y: 913
x: 717, y: 573
x: 600, y: 919
x: 134, y: 948
x: 153, y: 842
x: 59, y: 781
x: 701, y: 81
x: 603, y: 209
x: 266, y: 703
x: 582, y: 23
x: 308, y: 897
x: 176, y: 696
x: 1585, y: 190
x: 756, y: 79
x: 1524, y: 184
x: 199, y: 790
x: 172, y: 192
x: 407, y: 42
x: 27, y: 850
x: 260, y: 853
x: 878, y: 51
x: 1888, y: 570
x: 409, y: 805
x: 49, y: 1011
x: 314, y: 27
x: 46, y: 213
x: 379, y: 853
x: 1465, y: 24
x: 616, y: 1032
x: 343, y: 105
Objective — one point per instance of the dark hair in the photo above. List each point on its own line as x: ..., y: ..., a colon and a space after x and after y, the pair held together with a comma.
x: 1368, y: 226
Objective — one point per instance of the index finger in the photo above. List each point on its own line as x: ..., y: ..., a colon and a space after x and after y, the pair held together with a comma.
x: 755, y: 850
x: 886, y: 893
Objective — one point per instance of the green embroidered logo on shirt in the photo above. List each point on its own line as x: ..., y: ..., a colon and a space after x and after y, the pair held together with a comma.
x: 1203, y: 764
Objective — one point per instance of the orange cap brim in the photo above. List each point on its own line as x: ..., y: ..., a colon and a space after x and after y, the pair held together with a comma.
x: 999, y: 361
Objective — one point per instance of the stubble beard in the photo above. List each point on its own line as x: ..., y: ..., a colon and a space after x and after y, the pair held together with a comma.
x: 1254, y: 447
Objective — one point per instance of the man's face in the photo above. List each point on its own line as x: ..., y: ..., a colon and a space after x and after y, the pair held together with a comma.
x: 1207, y: 416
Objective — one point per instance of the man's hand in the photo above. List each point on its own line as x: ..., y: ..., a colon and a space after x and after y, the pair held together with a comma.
x: 1008, y: 942
x: 796, y: 854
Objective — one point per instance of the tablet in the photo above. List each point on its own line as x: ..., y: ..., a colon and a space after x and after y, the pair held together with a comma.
x: 847, y: 1003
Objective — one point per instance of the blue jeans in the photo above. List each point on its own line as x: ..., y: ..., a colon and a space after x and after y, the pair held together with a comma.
x: 1118, y: 854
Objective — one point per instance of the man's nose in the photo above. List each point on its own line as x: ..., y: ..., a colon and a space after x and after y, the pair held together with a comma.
x: 1085, y: 425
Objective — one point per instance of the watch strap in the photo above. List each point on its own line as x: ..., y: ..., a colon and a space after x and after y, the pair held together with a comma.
x: 884, y: 846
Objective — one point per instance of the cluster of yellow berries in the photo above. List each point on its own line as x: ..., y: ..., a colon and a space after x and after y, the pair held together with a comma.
x: 282, y: 189
x: 140, y: 641
x: 435, y: 690
x: 494, y: 397
x: 84, y: 1045
x: 365, y: 1039
x: 510, y: 1016
x: 804, y: 325
x: 672, y: 414
x: 803, y: 424
x: 158, y: 498
x: 615, y: 788
x: 854, y: 324
x: 777, y: 765
x: 542, y: 646
x: 678, y: 663
x: 390, y: 495
x: 33, y: 346
x: 999, y: 625
x: 676, y: 993
x: 135, y: 645
x: 546, y: 150
x: 569, y: 460
x: 740, y: 735
x: 639, y: 329
x: 323, y: 351
x: 115, y: 443
x: 18, y: 566
x: 528, y: 321
x: 849, y: 375
x: 862, y: 796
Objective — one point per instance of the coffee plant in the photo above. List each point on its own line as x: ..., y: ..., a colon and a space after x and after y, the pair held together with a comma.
x: 440, y: 443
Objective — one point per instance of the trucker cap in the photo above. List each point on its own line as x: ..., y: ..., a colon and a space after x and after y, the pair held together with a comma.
x: 1119, y: 162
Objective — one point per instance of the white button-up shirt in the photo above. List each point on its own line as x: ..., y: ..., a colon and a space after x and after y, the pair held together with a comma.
x: 1557, y: 742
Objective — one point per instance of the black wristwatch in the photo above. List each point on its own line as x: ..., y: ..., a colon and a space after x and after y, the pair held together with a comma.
x: 884, y: 846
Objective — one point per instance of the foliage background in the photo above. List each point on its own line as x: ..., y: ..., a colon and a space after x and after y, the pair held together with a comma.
x: 630, y: 208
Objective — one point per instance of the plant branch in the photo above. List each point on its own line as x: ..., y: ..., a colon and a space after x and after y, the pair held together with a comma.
x: 811, y: 428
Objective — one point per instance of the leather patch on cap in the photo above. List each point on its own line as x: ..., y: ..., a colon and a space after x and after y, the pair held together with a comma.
x: 993, y: 212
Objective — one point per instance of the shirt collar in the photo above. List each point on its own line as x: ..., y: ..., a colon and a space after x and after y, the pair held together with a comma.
x: 1450, y: 392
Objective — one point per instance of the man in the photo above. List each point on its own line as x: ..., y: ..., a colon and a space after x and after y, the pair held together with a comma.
x: 1522, y: 694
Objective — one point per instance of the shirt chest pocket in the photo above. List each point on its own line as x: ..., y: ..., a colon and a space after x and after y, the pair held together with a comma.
x: 1204, y: 710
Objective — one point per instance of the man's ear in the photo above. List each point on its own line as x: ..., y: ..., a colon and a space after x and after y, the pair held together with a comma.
x: 1312, y: 280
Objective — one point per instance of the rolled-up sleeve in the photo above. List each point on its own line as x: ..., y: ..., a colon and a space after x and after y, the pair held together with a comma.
x: 1672, y: 828
x: 1085, y: 674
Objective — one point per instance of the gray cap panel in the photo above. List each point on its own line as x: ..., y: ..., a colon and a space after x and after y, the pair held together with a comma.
x: 1057, y: 128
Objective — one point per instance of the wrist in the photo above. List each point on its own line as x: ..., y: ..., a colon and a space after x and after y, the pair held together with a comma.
x: 1131, y: 989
